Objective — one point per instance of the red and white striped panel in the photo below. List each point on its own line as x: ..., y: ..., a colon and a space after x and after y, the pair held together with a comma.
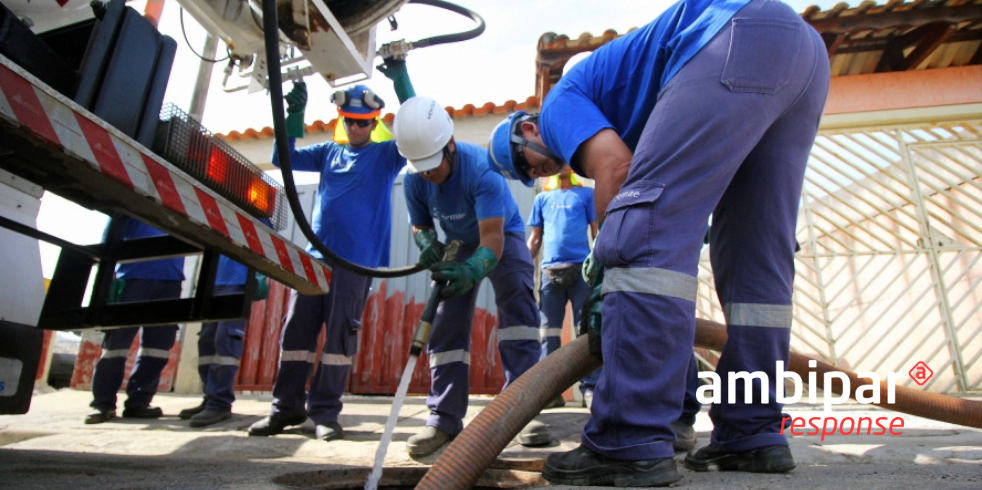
x: 65, y: 125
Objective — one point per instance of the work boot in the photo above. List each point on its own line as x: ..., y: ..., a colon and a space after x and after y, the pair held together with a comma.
x: 187, y: 413
x: 534, y: 434
x: 582, y: 467
x: 142, y: 413
x: 329, y: 431
x: 270, y: 426
x: 685, y: 436
x: 99, y: 416
x: 209, y: 417
x: 768, y: 459
x: 557, y: 402
x: 427, y: 441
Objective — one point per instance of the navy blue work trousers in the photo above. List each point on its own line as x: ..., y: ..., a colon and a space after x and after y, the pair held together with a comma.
x: 219, y: 351
x: 155, y: 346
x: 339, y: 312
x: 729, y: 137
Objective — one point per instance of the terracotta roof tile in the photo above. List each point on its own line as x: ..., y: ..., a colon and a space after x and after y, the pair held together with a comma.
x: 867, y: 38
x: 488, y: 108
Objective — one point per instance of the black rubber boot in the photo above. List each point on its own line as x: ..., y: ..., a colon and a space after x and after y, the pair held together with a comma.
x: 768, y: 459
x: 209, y: 417
x: 329, y: 431
x: 583, y: 467
x: 270, y: 426
x: 187, y: 413
x: 142, y: 413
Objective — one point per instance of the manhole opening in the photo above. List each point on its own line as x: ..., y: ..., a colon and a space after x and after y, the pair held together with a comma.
x: 399, y: 478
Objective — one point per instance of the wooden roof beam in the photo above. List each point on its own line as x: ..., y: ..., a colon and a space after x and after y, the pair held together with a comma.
x: 935, y: 37
x: 889, y: 20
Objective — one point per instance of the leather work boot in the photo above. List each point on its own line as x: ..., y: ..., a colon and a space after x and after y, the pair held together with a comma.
x: 768, y: 459
x: 534, y: 434
x: 187, y: 413
x: 557, y: 402
x: 209, y: 417
x: 427, y: 441
x: 329, y: 431
x: 270, y: 426
x: 582, y: 467
x: 685, y: 436
x: 99, y: 416
x: 142, y: 413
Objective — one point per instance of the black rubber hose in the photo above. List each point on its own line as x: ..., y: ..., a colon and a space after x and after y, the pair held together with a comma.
x: 271, y: 36
x: 450, y: 38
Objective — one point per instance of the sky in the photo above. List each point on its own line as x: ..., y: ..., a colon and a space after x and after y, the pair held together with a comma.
x: 496, y: 67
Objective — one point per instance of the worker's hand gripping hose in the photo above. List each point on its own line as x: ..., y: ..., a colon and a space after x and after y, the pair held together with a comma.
x: 474, y: 449
x: 422, y: 334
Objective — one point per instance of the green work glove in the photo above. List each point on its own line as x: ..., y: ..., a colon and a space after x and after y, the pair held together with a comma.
x: 430, y: 248
x: 591, y: 317
x: 591, y: 269
x: 395, y: 70
x: 296, y: 102
x: 262, y: 288
x: 116, y: 291
x: 461, y: 277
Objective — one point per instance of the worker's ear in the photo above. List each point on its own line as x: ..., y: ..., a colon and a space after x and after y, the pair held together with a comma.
x: 529, y: 127
x: 451, y: 144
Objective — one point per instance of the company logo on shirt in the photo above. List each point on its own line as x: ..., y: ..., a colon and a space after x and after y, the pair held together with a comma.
x: 448, y: 217
x: 627, y: 194
x: 562, y: 206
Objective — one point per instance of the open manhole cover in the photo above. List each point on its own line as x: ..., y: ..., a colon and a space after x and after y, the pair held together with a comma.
x: 398, y: 478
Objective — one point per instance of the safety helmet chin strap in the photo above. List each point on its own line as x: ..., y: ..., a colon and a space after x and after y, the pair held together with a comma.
x: 521, y: 141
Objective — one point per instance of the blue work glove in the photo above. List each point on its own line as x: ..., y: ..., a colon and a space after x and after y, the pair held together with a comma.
x: 591, y: 317
x: 430, y: 247
x: 462, y: 276
x: 262, y: 288
x: 116, y: 291
x: 296, y: 102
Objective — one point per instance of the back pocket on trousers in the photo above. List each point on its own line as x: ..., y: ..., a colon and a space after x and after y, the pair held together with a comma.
x: 762, y: 56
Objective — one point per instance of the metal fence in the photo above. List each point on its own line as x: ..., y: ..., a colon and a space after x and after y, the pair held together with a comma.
x: 890, y: 227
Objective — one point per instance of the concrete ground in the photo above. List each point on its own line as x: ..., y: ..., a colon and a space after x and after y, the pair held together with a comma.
x: 50, y: 448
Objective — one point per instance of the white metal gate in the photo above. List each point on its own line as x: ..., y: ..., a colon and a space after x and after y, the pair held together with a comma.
x: 891, y: 253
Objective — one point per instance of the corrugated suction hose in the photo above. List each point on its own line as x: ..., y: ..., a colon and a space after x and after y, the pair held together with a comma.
x: 474, y: 449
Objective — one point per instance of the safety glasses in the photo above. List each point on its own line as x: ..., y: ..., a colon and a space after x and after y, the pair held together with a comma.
x: 361, y: 123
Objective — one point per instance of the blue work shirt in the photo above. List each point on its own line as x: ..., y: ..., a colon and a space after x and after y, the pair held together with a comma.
x: 352, y: 209
x: 230, y: 272
x: 564, y: 216
x: 472, y: 193
x: 160, y: 270
x: 617, y: 86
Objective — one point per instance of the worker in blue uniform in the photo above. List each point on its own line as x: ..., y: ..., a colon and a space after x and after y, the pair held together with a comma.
x: 220, y: 347
x: 450, y: 182
x: 561, y: 217
x: 136, y: 281
x: 711, y: 109
x: 352, y: 217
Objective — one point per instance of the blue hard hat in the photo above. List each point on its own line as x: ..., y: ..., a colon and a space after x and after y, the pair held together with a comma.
x: 358, y: 102
x: 500, y: 150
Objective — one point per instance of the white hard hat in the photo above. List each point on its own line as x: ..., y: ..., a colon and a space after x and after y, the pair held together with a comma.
x: 422, y: 129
